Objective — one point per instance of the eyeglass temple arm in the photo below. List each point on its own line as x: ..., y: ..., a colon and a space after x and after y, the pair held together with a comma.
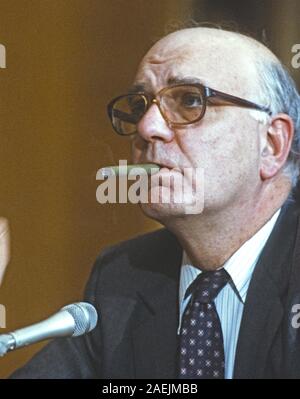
x: 236, y: 100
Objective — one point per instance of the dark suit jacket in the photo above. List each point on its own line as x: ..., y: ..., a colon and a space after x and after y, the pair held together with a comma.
x: 134, y: 286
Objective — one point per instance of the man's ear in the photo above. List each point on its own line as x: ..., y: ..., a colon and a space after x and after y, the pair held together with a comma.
x: 277, y: 145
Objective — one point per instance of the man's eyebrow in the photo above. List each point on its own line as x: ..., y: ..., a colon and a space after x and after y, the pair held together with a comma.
x: 142, y: 87
x: 138, y: 87
x: 185, y: 80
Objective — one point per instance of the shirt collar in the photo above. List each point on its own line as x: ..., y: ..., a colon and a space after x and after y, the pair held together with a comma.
x: 240, y: 265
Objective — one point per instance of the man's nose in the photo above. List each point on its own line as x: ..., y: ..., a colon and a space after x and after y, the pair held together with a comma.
x: 153, y: 126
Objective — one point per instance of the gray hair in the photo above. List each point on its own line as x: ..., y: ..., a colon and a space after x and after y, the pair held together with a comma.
x: 280, y: 94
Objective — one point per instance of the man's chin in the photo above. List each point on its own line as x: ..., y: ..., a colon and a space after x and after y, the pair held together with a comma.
x: 162, y: 212
x: 166, y: 205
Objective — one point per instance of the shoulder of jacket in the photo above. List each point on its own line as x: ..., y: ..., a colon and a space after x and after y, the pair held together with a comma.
x: 150, y: 256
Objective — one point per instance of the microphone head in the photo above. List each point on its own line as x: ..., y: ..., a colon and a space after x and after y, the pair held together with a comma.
x: 85, y: 317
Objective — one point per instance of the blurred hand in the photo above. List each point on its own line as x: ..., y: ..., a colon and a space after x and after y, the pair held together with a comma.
x: 4, y: 246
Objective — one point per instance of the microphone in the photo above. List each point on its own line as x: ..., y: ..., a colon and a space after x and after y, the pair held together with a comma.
x: 71, y: 321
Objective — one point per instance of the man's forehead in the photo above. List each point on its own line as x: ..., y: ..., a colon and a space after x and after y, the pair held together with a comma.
x: 211, y: 63
x: 226, y: 60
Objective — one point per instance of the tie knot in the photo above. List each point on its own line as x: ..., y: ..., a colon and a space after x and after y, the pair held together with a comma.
x: 207, y: 285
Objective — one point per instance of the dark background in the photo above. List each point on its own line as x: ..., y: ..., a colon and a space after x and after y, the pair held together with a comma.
x: 65, y: 60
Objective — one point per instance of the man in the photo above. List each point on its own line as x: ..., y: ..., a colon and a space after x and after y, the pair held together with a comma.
x: 222, y: 102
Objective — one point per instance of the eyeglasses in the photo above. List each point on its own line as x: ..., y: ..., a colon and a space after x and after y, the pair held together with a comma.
x: 179, y: 105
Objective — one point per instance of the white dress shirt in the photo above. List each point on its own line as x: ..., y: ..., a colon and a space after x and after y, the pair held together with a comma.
x: 230, y: 300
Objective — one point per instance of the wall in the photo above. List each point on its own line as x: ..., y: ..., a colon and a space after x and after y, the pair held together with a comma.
x: 65, y: 60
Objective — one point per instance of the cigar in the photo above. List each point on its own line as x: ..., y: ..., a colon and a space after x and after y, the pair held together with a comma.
x: 124, y: 170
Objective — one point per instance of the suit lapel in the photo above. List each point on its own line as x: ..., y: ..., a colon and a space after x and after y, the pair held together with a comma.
x: 155, y: 338
x: 262, y: 315
x: 263, y: 310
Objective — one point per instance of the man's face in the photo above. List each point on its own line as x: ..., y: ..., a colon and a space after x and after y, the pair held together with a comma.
x: 224, y: 144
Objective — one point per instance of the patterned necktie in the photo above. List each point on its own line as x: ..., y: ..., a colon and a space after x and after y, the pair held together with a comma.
x: 201, y: 340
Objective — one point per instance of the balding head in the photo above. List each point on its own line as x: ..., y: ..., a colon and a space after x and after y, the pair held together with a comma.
x: 216, y: 37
